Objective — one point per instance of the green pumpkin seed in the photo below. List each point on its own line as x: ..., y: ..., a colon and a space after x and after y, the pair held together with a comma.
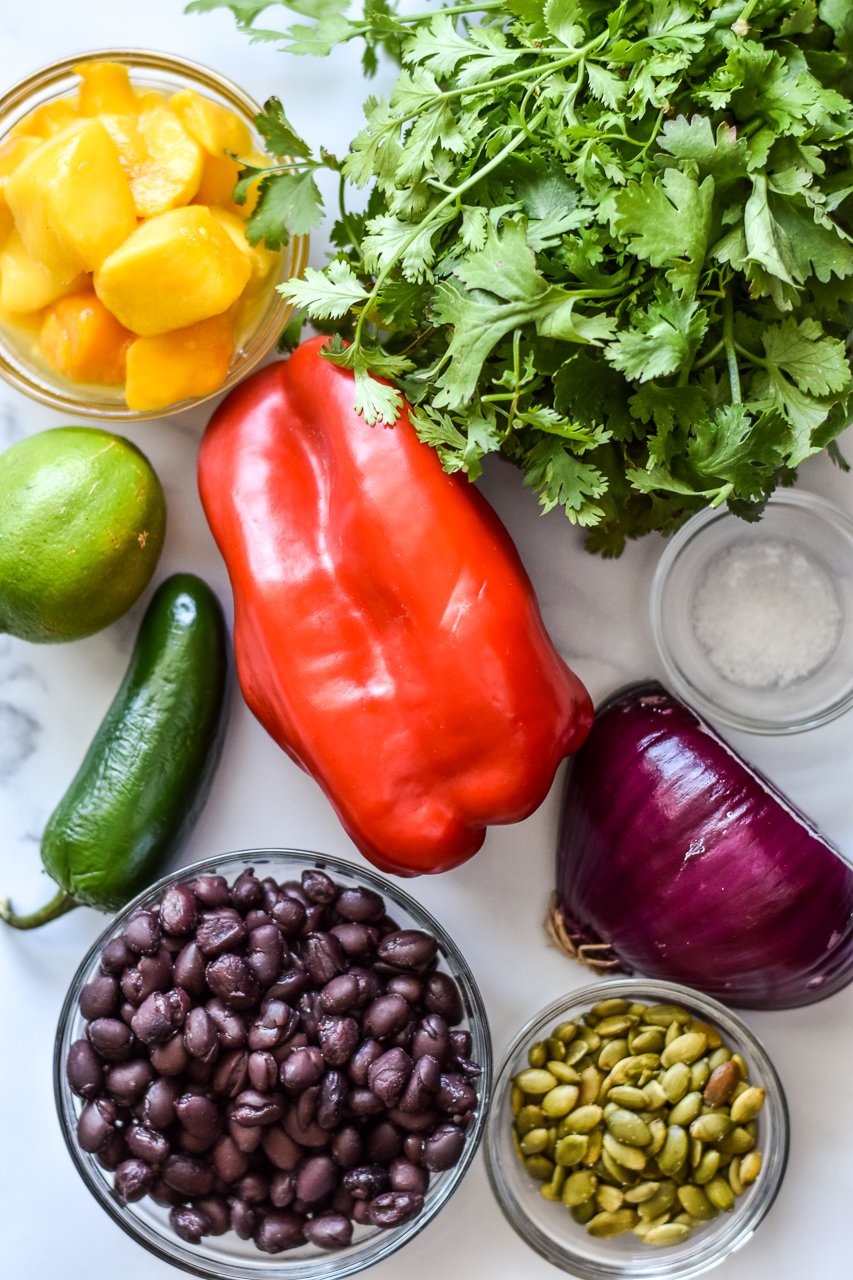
x: 718, y: 1056
x: 535, y: 1141
x: 558, y: 1102
x: 528, y: 1118
x: 733, y: 1175
x: 658, y: 1130
x: 750, y: 1167
x: 661, y: 1202
x: 535, y: 1080
x: 628, y: 1127
x: 606, y: 1008
x: 537, y: 1055
x: 711, y: 1034
x: 565, y: 1031
x: 661, y: 1015
x: 583, y: 1213
x: 673, y: 1153
x: 579, y: 1187
x: 646, y: 1040
x: 609, y: 1198
x: 667, y: 1233
x: 623, y: 1153
x: 675, y: 1081
x: 694, y: 1201
x: 617, y: 1172
x: 575, y: 1051
x: 593, y: 1151
x: 747, y: 1105
x: 653, y: 1093
x: 699, y: 1073
x: 611, y: 1224
x: 583, y: 1119
x: 614, y: 1051
x: 516, y: 1099
x: 686, y: 1111
x: 628, y: 1095
x: 642, y: 1191
x: 555, y: 1049
x: 713, y: 1127
x: 686, y: 1047
x: 707, y: 1167
x: 720, y: 1194
x: 571, y: 1149
x: 590, y: 1083
x: 539, y: 1167
x: 565, y: 1075
x: 617, y: 1024
x: 737, y: 1142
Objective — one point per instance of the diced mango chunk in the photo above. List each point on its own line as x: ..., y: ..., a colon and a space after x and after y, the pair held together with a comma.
x: 173, y: 271
x: 14, y: 151
x: 105, y: 87
x: 7, y: 222
x: 215, y: 127
x: 189, y: 362
x: 218, y: 179
x: 47, y: 120
x: 83, y: 341
x: 71, y: 201
x: 171, y: 175
x: 261, y: 260
x: 25, y: 284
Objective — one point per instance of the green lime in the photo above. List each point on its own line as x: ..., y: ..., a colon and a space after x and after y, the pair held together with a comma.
x: 82, y: 521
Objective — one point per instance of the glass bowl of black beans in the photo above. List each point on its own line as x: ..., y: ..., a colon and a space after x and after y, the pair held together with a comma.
x: 273, y: 1064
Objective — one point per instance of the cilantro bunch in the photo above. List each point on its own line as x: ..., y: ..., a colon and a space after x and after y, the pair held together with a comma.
x: 609, y: 241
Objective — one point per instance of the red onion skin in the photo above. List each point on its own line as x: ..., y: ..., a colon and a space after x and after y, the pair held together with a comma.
x: 693, y: 867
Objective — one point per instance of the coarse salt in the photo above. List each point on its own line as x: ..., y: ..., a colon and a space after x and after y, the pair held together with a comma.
x: 766, y: 613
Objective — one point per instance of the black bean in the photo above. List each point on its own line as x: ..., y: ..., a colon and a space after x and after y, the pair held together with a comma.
x: 162, y: 1194
x: 318, y: 886
x: 455, y: 1096
x: 307, y: 1135
x: 306, y: 1104
x: 340, y: 994
x: 170, y: 1058
x: 253, y: 1108
x: 359, y: 904
x: 126, y: 1012
x: 315, y: 918
x: 282, y: 1188
x: 231, y: 979
x: 328, y: 1231
x: 316, y: 1179
x: 279, y: 1230
x: 198, y: 1115
x: 158, y: 1105
x: 338, y: 1038
x: 341, y: 1202
x: 215, y: 1209
x: 84, y: 1069
x: 112, y: 1039
x: 409, y: 949
x: 98, y: 998
x: 432, y: 1036
x: 247, y: 891
x: 359, y: 1064
x: 461, y: 1043
x: 289, y: 986
x: 346, y: 1147
x: 424, y: 1082
x: 147, y: 1144
x: 366, y: 1181
x: 189, y: 969
x: 199, y: 1072
x: 280, y: 1149
x: 189, y: 1223
x: 443, y: 1147
x: 178, y: 910
x: 243, y: 1218
x: 405, y: 1176
x: 231, y: 1073
x: 413, y: 1148
x: 247, y: 1139
x: 230, y: 1025
x: 385, y: 1015
x: 364, y: 1102
x: 441, y: 995
x: 128, y: 1081
x: 263, y: 1071
x: 257, y: 918
x: 330, y: 1103
x: 212, y: 891
x: 137, y: 983
x: 199, y: 1035
x: 382, y: 1143
x: 275, y: 1022
x: 194, y: 1144
x: 116, y: 955
x: 142, y: 933
x: 266, y: 953
x: 407, y: 986
x: 369, y: 983
x: 360, y: 1213
x: 357, y: 940
x: 187, y: 1174
x: 160, y: 1015
x: 254, y: 1188
x: 113, y: 1151
x: 228, y: 1160
x: 220, y: 931
x: 389, y: 1075
x: 133, y: 1179
x: 302, y: 1068
x: 394, y: 1207
x: 288, y: 915
x: 96, y: 1123
x: 323, y: 957
x: 413, y: 1121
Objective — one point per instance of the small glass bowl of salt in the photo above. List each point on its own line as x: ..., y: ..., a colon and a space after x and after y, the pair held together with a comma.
x: 754, y: 621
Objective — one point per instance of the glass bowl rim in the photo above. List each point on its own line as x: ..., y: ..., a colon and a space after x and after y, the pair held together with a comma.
x: 332, y: 1264
x: 833, y: 518
x: 27, y: 381
x: 561, y: 1255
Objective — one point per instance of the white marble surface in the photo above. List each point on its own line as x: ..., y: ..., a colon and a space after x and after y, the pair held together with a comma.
x: 52, y: 699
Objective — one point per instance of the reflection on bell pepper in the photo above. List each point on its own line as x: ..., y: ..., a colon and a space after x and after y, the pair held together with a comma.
x: 386, y: 633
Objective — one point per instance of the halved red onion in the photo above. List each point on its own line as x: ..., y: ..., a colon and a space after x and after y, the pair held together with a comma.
x: 678, y: 860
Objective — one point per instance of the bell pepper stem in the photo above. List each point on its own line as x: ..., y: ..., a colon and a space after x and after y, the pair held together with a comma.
x: 57, y: 907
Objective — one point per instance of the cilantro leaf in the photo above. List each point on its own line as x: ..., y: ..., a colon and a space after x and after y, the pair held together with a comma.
x: 660, y: 340
x: 326, y: 295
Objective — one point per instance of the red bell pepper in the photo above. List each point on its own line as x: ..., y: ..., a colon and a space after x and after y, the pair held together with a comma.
x: 386, y: 633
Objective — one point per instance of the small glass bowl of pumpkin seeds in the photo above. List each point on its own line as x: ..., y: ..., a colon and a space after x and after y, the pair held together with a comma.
x: 638, y: 1129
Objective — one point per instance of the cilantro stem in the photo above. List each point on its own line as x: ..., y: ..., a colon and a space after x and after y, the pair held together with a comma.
x: 710, y: 355
x: 729, y: 344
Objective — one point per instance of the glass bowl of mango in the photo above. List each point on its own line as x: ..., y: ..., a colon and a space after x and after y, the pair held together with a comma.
x: 129, y: 288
